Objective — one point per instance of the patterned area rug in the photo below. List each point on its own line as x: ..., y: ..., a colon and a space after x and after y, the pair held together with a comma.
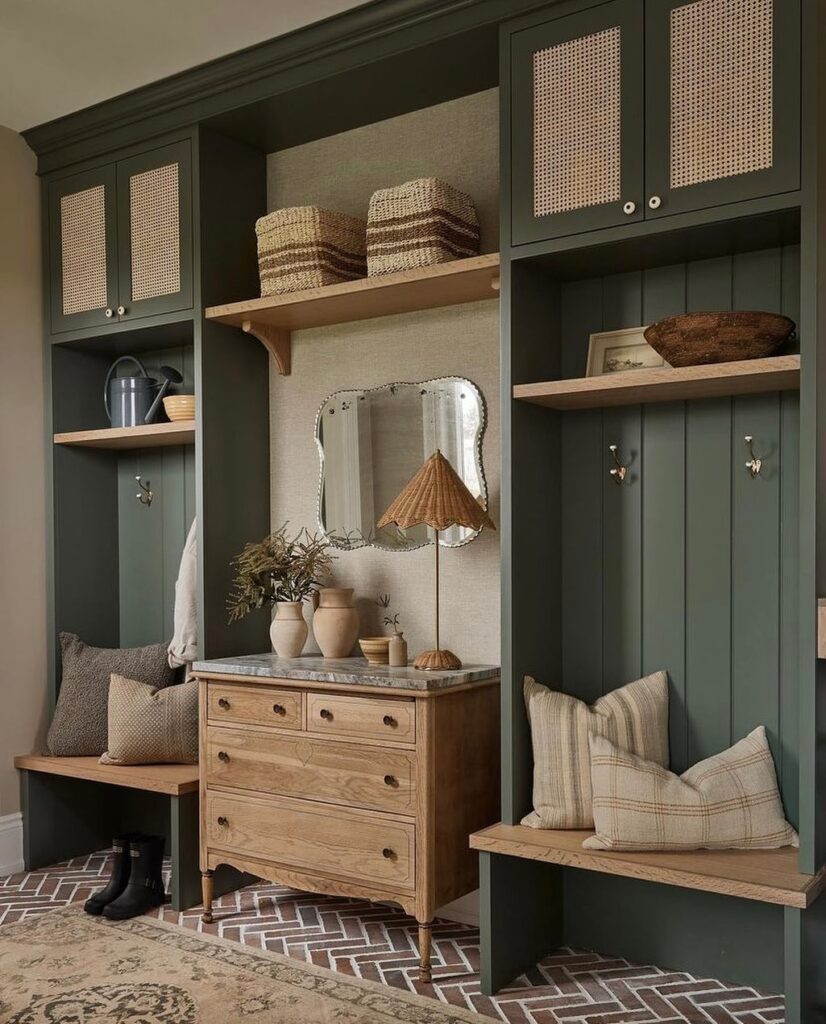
x: 363, y: 940
x: 69, y: 967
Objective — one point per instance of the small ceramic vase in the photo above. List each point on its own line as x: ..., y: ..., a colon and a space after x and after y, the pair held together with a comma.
x: 288, y: 631
x: 336, y: 621
x: 397, y: 651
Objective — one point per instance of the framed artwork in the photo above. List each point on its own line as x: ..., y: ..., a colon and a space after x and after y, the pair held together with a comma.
x: 620, y: 351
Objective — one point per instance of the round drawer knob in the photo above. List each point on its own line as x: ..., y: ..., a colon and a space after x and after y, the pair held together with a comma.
x: 121, y: 310
x: 279, y: 709
x: 223, y: 755
x: 387, y: 853
x: 222, y: 821
x: 389, y: 720
x: 223, y: 703
x: 108, y: 313
x: 390, y: 780
x: 326, y: 714
x: 655, y: 202
x: 629, y: 208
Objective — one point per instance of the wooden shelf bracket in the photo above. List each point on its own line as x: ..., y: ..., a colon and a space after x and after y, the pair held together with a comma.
x: 276, y: 340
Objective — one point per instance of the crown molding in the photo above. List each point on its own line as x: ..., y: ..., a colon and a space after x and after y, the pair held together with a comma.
x: 346, y: 41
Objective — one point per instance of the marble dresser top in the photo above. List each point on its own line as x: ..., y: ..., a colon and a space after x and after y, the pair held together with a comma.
x: 345, y: 670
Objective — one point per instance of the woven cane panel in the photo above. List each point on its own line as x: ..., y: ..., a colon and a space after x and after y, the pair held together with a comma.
x: 576, y: 123
x: 156, y: 247
x: 721, y: 89
x: 83, y: 250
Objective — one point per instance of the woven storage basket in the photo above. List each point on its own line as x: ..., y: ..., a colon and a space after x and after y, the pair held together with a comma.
x: 308, y: 247
x: 418, y: 224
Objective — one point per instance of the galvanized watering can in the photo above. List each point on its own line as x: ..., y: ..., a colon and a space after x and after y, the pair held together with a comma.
x: 131, y: 401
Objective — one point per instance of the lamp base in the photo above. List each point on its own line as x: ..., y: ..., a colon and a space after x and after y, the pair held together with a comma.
x: 435, y: 661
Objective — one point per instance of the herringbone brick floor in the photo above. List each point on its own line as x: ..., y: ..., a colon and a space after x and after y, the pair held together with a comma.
x: 378, y: 942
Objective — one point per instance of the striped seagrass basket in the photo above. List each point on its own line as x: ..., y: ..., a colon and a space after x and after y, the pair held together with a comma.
x: 308, y: 247
x: 418, y: 224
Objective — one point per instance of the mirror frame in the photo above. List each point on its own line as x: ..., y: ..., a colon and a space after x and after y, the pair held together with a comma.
x: 477, y: 445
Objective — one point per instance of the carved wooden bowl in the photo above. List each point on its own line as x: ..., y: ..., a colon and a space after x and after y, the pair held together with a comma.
x: 724, y: 337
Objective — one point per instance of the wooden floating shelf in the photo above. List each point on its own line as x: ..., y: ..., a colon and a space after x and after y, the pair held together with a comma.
x: 769, y: 876
x: 151, y: 435
x: 273, y: 319
x: 712, y: 380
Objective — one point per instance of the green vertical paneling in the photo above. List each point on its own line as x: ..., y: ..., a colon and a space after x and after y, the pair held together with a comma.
x: 790, y: 289
x: 789, y: 761
x: 755, y: 642
x: 621, y: 507
x: 663, y: 562
x: 755, y: 569
x: 708, y: 541
x: 582, y: 462
x: 708, y: 577
x: 663, y: 521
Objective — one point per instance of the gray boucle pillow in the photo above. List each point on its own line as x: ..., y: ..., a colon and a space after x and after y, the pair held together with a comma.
x: 79, y: 724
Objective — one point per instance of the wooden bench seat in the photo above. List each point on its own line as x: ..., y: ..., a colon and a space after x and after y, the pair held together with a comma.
x: 769, y: 876
x: 172, y: 779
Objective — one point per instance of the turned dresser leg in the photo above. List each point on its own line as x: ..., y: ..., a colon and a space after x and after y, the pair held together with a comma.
x: 207, y: 890
x: 425, y: 936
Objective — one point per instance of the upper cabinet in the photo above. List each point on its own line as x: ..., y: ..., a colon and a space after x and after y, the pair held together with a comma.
x: 120, y: 240
x: 644, y: 108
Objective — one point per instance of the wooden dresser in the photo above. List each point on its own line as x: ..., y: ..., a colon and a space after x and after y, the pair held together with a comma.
x: 334, y: 777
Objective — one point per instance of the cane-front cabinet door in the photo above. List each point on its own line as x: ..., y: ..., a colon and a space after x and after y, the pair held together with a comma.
x: 577, y: 109
x: 155, y: 232
x: 722, y: 102
x: 83, y: 249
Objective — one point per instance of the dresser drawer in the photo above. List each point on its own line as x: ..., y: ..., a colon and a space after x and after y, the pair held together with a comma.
x: 313, y: 836
x: 353, y: 774
x: 254, y: 705
x: 367, y: 717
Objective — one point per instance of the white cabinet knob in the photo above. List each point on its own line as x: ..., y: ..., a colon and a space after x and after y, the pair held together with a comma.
x: 629, y: 208
x: 108, y: 313
x: 655, y: 202
x: 121, y: 310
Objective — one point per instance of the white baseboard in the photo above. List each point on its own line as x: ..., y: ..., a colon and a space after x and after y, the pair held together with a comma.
x: 11, y: 843
x: 465, y: 910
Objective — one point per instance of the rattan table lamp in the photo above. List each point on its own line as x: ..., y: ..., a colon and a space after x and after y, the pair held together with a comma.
x: 437, y: 497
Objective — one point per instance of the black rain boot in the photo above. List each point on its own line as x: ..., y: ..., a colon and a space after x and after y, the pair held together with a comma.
x: 119, y: 878
x: 145, y: 889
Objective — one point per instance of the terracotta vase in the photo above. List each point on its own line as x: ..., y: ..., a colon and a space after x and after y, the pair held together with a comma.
x: 336, y: 621
x: 288, y: 631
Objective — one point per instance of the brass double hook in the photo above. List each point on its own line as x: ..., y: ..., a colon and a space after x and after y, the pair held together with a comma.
x: 144, y: 495
x: 754, y: 465
x: 618, y: 470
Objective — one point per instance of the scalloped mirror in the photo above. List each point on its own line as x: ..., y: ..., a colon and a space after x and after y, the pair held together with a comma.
x: 372, y: 442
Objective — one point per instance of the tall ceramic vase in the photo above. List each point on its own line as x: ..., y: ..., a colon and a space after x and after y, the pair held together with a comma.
x: 288, y: 631
x: 336, y: 622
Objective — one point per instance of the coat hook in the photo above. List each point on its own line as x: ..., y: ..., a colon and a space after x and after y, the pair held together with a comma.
x: 618, y: 472
x: 754, y: 465
x: 144, y: 495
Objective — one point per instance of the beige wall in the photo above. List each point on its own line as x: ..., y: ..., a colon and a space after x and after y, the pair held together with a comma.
x: 458, y: 142
x: 22, y: 474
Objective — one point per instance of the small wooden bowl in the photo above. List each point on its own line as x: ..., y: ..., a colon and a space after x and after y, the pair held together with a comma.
x: 694, y: 338
x: 375, y: 649
x: 179, y: 407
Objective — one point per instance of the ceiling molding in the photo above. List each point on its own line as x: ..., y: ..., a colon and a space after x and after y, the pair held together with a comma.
x: 342, y: 42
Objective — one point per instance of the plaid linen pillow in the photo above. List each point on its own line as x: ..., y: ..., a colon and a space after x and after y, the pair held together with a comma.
x: 729, y: 801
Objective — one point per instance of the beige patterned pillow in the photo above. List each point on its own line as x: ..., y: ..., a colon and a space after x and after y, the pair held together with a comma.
x: 634, y: 716
x: 149, y: 726
x: 729, y: 801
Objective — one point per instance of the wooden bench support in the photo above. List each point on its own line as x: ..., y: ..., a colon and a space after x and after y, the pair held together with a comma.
x: 74, y: 806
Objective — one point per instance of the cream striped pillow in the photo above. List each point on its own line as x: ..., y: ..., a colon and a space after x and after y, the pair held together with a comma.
x: 729, y: 801
x: 634, y: 716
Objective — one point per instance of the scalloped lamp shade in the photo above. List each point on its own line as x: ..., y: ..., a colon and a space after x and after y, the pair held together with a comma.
x: 436, y: 497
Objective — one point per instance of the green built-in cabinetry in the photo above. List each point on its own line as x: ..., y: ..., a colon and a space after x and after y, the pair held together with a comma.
x: 120, y: 239
x: 690, y: 112
x: 699, y: 105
